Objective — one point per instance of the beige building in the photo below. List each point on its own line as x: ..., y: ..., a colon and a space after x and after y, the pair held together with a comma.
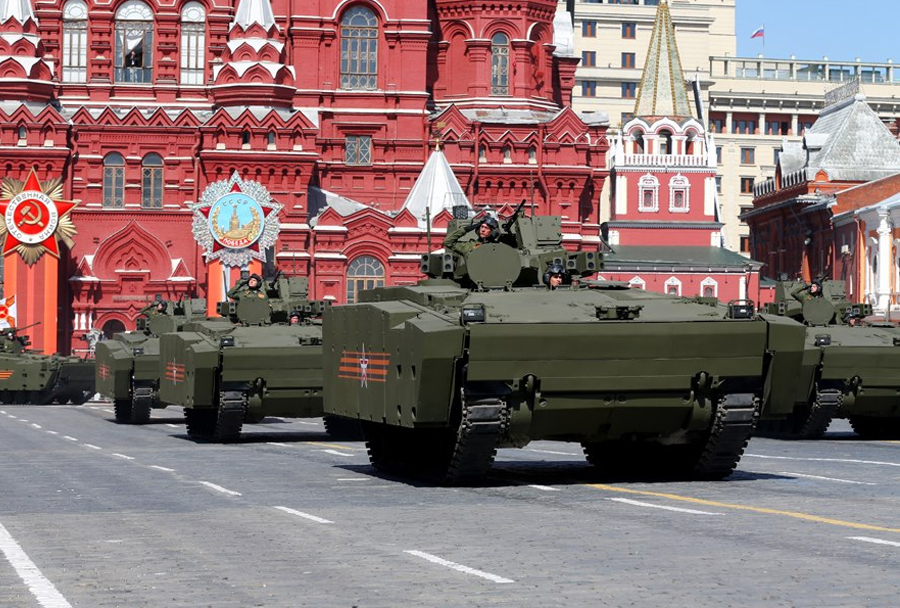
x: 751, y: 103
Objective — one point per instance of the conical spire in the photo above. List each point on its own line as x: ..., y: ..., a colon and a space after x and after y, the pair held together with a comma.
x: 663, y: 90
x: 19, y: 10
x: 250, y: 12
x: 436, y: 189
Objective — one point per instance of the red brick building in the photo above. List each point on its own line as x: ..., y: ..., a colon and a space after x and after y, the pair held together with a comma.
x: 828, y: 211
x: 333, y: 106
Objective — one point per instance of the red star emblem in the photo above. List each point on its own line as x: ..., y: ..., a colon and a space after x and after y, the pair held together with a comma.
x: 34, y: 219
x: 206, y: 209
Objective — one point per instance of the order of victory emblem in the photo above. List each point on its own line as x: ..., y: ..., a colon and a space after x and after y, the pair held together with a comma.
x: 236, y: 221
x: 34, y: 217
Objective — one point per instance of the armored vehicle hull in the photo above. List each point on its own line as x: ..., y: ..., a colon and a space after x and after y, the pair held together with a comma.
x: 128, y: 364
x: 441, y: 376
x: 43, y: 379
x: 128, y: 373
x: 848, y: 370
x: 224, y: 375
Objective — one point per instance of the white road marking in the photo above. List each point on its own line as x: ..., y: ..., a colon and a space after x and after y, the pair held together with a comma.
x: 2, y: 411
x: 217, y: 488
x: 117, y: 455
x: 69, y: 438
x: 37, y: 426
x: 336, y: 453
x: 172, y: 426
x: 877, y: 541
x: 459, y: 567
x: 552, y: 452
x: 847, y: 460
x: 159, y: 468
x: 108, y: 411
x: 353, y: 479
x: 92, y: 446
x: 319, y: 520
x: 23, y: 420
x: 638, y: 503
x: 544, y: 488
x: 862, y: 483
x: 307, y: 423
x: 12, y: 417
x: 41, y: 588
x: 52, y: 433
x: 281, y: 445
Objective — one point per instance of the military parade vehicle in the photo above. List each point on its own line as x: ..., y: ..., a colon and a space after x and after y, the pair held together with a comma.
x: 128, y: 364
x: 268, y: 363
x: 31, y: 377
x: 849, y: 370
x: 484, y: 354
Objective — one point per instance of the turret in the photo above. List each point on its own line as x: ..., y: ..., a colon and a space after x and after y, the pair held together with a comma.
x: 164, y: 316
x: 273, y: 303
x: 831, y: 308
x: 527, y: 247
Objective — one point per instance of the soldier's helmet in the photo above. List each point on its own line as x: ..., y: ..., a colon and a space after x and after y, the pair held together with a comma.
x: 258, y: 281
x: 555, y: 268
x: 491, y: 222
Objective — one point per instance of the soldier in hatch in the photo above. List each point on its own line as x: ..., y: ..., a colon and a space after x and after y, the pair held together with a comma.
x: 555, y: 276
x: 251, y: 286
x: 295, y: 317
x: 488, y: 231
x: 805, y: 293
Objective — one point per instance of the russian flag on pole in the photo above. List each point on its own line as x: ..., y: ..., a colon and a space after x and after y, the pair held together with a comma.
x: 759, y: 33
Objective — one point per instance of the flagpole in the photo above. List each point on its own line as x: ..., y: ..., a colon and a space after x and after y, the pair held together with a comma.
x: 764, y: 39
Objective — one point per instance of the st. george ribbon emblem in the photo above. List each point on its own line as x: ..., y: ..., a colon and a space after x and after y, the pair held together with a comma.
x: 34, y: 217
x: 236, y: 221
x: 363, y: 366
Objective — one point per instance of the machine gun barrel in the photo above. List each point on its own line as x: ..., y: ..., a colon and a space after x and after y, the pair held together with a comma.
x: 512, y: 219
x: 18, y: 329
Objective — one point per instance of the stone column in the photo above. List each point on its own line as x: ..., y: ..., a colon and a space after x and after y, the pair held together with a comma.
x: 885, y: 248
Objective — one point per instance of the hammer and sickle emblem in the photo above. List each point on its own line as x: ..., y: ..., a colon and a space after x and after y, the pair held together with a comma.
x: 33, y: 215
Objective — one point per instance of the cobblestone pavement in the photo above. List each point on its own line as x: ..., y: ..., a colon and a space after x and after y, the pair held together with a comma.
x: 96, y: 514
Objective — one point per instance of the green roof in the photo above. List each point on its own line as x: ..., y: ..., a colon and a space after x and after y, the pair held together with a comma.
x: 634, y: 257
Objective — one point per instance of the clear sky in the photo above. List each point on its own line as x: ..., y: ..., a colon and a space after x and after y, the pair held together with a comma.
x: 810, y: 29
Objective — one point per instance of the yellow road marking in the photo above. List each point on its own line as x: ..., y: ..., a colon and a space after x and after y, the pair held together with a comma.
x: 726, y: 505
x: 328, y: 445
x: 892, y: 442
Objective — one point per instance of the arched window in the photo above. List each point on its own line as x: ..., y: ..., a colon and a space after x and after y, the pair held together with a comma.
x: 23, y: 132
x: 245, y: 138
x: 639, y: 142
x: 709, y: 288
x: 74, y: 43
x: 532, y: 155
x: 270, y: 139
x: 499, y: 64
x: 134, y: 43
x: 152, y: 181
x: 193, y: 43
x: 364, y: 272
x: 112, y: 327
x: 673, y: 286
x: 113, y: 180
x: 679, y: 194
x: 665, y: 142
x: 637, y: 283
x: 648, y: 193
x: 359, y: 50
x: 507, y: 154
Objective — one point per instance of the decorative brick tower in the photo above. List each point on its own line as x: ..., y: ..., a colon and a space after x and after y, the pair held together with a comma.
x: 664, y: 221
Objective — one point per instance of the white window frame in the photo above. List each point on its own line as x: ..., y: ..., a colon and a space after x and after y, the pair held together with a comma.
x: 637, y: 283
x: 709, y: 282
x: 648, y: 182
x: 193, y: 44
x: 74, y: 43
x: 680, y: 183
x: 673, y: 282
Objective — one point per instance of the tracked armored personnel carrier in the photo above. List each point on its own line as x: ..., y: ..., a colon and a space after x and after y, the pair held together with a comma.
x: 482, y: 355
x: 227, y: 374
x: 848, y: 371
x: 31, y: 377
x: 127, y: 366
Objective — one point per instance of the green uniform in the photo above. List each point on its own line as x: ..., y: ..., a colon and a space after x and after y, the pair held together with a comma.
x: 453, y: 242
x: 802, y: 293
x: 242, y: 288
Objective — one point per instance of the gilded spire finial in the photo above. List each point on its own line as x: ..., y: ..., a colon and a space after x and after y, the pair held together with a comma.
x: 663, y: 90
